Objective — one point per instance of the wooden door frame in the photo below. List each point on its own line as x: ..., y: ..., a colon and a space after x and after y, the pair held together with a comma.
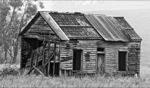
x: 97, y: 52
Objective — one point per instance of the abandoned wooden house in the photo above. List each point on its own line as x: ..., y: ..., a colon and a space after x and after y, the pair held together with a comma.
x: 56, y: 43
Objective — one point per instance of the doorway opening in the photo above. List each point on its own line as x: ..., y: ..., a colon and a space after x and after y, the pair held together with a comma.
x: 54, y: 69
x: 100, y: 63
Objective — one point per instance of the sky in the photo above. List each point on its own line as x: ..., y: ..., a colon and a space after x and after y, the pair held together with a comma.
x: 92, y: 5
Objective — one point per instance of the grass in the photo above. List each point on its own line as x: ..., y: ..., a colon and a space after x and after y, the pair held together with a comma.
x: 67, y: 82
x: 78, y: 82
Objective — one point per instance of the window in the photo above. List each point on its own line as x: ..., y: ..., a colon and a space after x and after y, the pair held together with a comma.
x: 100, y: 49
x: 122, y: 60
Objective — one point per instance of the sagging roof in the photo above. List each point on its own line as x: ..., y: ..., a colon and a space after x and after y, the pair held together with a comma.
x: 87, y: 26
x: 75, y: 25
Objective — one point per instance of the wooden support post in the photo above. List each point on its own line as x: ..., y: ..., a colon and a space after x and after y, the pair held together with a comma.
x: 31, y: 62
x: 54, y: 59
x: 38, y: 55
x: 59, y: 60
x: 43, y: 58
x: 49, y: 58
x: 48, y: 68
x: 36, y: 59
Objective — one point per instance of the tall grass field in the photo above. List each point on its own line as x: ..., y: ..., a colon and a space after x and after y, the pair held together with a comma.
x: 76, y: 82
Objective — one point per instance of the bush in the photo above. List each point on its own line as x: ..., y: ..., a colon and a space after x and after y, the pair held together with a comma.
x: 9, y: 71
x: 1, y: 60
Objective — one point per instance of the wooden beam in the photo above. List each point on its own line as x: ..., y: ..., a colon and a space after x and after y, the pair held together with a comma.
x: 43, y: 57
x: 54, y: 59
x: 75, y: 26
x: 48, y: 68
x: 31, y: 62
x: 38, y: 70
x: 49, y: 58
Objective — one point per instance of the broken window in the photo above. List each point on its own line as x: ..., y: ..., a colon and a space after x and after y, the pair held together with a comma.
x: 122, y: 60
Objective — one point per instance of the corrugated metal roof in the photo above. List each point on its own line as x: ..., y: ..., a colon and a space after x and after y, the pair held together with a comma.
x: 54, y: 25
x: 107, y: 28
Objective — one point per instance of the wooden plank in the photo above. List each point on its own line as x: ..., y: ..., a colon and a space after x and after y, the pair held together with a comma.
x: 89, y: 71
x: 38, y: 70
x: 48, y: 68
x: 43, y: 58
x: 31, y: 62
x: 54, y: 59
x: 89, y: 62
x: 66, y: 68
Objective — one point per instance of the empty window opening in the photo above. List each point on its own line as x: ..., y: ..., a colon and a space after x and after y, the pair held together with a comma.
x: 77, y: 53
x: 100, y: 49
x: 122, y: 60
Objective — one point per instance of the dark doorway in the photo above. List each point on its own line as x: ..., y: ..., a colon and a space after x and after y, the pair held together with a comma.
x: 54, y: 67
x: 122, y: 60
x: 77, y: 53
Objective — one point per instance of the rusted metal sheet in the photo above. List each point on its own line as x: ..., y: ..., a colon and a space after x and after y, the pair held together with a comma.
x: 54, y: 25
x: 106, y: 28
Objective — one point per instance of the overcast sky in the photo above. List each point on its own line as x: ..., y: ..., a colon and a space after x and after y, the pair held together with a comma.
x: 93, y: 5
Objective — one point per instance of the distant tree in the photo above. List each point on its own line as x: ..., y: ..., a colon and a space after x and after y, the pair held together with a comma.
x: 14, y: 15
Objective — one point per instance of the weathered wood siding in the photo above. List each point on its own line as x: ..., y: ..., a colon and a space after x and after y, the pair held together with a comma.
x: 111, y: 50
x: 134, y: 56
x: 41, y: 30
x: 66, y: 58
x: 111, y: 54
x: 86, y: 46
